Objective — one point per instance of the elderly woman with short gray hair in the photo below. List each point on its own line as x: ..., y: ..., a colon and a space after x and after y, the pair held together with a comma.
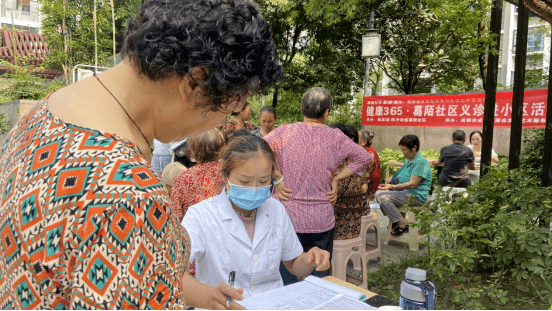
x: 308, y: 152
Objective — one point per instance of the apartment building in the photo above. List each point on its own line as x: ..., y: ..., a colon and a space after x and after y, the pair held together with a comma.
x: 25, y: 15
x: 538, y: 46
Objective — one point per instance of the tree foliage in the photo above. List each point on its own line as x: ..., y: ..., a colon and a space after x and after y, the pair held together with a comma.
x: 431, y: 42
x: 320, y: 44
x: 79, y: 29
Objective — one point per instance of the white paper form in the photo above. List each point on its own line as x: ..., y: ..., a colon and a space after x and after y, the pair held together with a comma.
x: 336, y: 288
x: 298, y: 296
x: 341, y: 302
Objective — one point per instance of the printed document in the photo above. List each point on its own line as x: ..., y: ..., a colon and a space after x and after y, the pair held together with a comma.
x: 311, y: 294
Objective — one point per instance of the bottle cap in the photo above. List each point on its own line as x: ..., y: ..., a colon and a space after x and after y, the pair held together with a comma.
x: 416, y: 274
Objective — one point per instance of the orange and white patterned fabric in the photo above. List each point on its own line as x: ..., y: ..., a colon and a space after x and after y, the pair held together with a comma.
x: 85, y: 223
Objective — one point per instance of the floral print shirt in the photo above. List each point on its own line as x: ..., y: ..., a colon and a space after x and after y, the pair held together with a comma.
x: 194, y: 185
x: 352, y: 203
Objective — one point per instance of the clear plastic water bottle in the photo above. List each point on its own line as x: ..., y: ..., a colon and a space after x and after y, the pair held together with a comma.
x: 417, y: 293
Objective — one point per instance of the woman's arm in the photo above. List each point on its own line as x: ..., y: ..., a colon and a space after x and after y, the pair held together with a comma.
x: 411, y: 184
x: 345, y: 172
x: 282, y: 193
x: 395, y: 163
x: 360, y: 158
x: 303, y: 264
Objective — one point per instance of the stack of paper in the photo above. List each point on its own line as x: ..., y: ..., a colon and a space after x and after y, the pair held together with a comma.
x: 311, y: 294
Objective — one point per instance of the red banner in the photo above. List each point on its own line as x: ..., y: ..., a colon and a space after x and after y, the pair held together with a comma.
x: 461, y: 110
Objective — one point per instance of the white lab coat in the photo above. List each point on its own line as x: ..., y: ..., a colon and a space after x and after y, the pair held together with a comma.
x: 220, y: 244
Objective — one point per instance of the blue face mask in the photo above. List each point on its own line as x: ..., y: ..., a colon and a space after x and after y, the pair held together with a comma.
x: 248, y: 198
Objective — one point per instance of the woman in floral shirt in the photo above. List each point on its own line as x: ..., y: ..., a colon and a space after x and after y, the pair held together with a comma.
x: 203, y: 180
x: 365, y: 140
x: 352, y: 200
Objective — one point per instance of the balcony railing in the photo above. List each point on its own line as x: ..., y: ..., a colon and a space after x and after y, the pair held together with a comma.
x: 20, y: 15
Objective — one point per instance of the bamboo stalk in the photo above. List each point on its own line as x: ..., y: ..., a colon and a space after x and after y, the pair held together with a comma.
x: 114, y: 33
x: 65, y: 46
x: 95, y: 37
x: 14, y: 42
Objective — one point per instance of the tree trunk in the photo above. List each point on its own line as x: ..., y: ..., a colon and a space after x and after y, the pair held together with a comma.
x: 490, y: 92
x: 482, y: 59
x: 275, y: 97
x: 547, y: 157
x: 519, y: 87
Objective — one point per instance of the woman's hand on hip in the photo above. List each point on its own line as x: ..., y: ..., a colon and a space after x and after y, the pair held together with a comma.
x: 218, y: 297
x: 332, y: 195
x: 318, y: 258
x: 282, y: 193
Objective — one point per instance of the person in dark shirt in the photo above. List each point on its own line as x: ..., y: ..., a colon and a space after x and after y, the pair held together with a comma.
x: 456, y: 160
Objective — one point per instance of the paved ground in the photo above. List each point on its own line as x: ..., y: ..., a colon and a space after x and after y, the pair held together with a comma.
x: 392, y: 252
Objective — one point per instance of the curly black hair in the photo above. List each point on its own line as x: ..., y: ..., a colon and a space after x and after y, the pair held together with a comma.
x: 228, y: 39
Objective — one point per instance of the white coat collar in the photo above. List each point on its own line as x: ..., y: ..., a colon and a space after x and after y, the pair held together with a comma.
x: 236, y: 227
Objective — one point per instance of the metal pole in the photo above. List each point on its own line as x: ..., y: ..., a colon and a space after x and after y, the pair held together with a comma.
x: 367, y: 71
x: 367, y: 78
x: 372, y: 19
x: 519, y: 86
x: 490, y: 91
x: 547, y: 159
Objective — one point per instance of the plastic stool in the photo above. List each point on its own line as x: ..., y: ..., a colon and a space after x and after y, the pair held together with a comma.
x: 371, y: 251
x: 345, y: 250
x: 412, y: 237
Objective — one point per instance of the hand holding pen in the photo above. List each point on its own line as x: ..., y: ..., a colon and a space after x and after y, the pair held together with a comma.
x: 224, y: 294
x: 231, y: 278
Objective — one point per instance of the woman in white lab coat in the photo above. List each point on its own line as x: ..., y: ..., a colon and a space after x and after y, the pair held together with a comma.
x: 244, y: 229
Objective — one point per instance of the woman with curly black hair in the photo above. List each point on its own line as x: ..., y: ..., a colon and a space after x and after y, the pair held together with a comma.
x: 93, y: 227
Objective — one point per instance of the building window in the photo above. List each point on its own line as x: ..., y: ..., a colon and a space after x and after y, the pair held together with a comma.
x: 514, y: 38
x: 24, y: 5
x: 535, y: 40
x: 511, y: 78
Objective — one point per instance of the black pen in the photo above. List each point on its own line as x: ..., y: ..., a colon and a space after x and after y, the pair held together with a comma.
x: 231, y: 278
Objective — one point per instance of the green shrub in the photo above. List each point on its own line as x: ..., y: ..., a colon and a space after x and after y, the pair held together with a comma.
x: 4, y: 124
x: 21, y: 84
x: 389, y: 155
x: 497, y: 228
x: 531, y: 158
